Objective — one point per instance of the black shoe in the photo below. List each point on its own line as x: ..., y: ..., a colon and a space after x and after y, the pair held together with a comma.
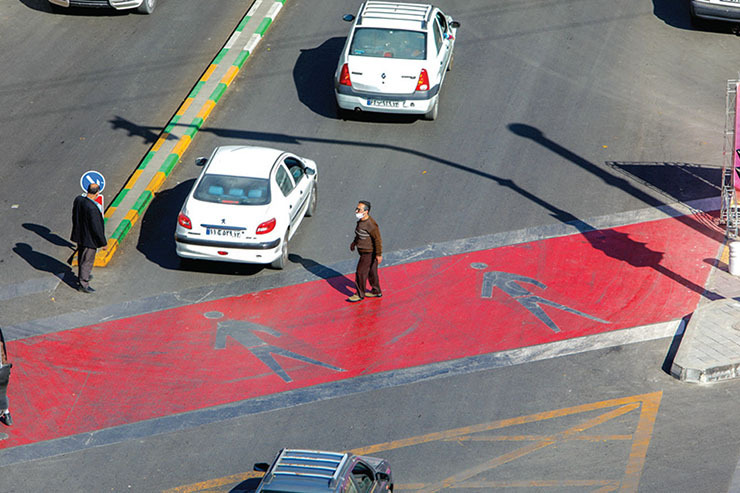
x: 87, y: 290
x: 7, y: 419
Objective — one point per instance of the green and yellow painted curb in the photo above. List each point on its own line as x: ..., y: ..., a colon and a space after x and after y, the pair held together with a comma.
x: 104, y: 256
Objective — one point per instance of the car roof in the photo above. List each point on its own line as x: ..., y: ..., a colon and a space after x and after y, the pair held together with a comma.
x: 306, y: 471
x: 249, y: 161
x: 396, y: 15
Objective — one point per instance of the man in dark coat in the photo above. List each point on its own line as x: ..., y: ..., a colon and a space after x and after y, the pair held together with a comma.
x: 88, y: 231
x: 4, y: 379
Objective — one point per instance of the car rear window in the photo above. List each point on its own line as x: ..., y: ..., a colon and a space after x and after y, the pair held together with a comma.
x: 389, y: 43
x: 240, y: 190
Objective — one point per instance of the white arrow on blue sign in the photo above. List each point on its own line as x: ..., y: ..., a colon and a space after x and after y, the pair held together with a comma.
x: 90, y: 177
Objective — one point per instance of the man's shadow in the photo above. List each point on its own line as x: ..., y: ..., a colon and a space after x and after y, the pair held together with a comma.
x: 337, y: 280
x: 46, y: 263
x: 48, y: 235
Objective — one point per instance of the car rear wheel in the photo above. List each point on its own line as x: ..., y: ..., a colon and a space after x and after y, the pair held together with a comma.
x: 146, y: 7
x: 432, y: 114
x: 452, y: 62
x: 280, y: 262
x: 312, y: 202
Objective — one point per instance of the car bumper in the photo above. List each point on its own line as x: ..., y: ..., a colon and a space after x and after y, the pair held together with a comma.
x: 248, y: 253
x: 417, y: 103
x: 116, y: 4
x: 716, y: 11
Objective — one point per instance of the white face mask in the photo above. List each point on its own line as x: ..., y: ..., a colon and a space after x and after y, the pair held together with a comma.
x: 359, y: 215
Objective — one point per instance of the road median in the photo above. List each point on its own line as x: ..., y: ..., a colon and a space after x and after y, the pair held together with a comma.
x: 163, y: 157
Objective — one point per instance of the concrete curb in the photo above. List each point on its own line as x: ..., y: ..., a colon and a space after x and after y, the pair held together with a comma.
x: 135, y: 207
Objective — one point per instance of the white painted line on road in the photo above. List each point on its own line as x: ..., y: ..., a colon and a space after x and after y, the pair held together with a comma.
x: 30, y: 286
x: 272, y: 13
x: 234, y: 36
x: 254, y: 8
x: 252, y: 43
x: 595, y: 342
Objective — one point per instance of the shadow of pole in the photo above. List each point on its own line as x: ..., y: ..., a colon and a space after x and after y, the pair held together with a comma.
x: 638, y: 254
x: 636, y: 251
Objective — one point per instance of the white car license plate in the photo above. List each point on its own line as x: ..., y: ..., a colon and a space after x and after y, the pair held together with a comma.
x: 383, y: 103
x: 230, y: 233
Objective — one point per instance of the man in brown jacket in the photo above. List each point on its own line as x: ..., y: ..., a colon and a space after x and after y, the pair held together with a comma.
x: 370, y: 247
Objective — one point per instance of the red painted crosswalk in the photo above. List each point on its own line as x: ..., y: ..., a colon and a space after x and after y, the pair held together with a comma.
x: 237, y: 348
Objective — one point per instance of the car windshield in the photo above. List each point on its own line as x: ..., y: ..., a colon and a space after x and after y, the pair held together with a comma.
x: 240, y: 190
x: 389, y: 43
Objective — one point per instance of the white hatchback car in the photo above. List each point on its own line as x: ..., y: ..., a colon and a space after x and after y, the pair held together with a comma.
x: 395, y: 59
x: 245, y: 206
x: 141, y: 6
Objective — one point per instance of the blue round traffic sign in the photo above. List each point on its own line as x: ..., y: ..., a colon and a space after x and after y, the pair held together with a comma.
x: 90, y: 177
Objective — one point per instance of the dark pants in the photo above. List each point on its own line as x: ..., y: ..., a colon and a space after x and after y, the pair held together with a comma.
x: 85, y: 261
x: 4, y: 379
x: 367, y: 270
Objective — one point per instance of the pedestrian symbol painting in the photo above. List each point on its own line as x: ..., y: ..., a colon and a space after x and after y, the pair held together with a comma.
x: 247, y: 334
x: 514, y: 286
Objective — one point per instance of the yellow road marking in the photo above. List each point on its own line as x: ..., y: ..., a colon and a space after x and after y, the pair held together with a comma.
x: 205, y: 110
x: 524, y: 438
x: 208, y: 73
x: 495, y: 425
x: 181, y: 145
x: 215, y: 483
x: 184, y: 106
x: 647, y: 404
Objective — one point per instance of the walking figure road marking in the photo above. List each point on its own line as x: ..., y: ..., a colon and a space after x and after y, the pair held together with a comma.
x: 246, y: 334
x: 509, y: 284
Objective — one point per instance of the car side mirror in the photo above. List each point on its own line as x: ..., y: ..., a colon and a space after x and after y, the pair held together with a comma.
x: 382, y: 476
x: 348, y: 17
x: 201, y: 161
x: 455, y: 24
x: 310, y: 171
x: 261, y: 466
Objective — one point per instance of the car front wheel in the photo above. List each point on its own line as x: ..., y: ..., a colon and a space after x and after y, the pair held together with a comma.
x: 280, y: 262
x: 146, y: 7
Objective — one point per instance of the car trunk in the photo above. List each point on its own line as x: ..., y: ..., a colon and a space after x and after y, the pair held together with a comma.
x: 384, y: 75
x: 227, y: 222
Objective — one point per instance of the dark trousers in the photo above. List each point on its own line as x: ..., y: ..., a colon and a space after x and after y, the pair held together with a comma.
x: 367, y: 270
x: 4, y: 379
x: 85, y: 261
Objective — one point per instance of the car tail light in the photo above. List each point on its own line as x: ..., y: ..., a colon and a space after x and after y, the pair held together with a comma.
x: 344, y: 76
x: 184, y: 221
x: 423, y: 84
x: 266, y: 227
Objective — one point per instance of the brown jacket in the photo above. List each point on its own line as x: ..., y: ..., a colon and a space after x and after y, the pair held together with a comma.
x: 367, y: 237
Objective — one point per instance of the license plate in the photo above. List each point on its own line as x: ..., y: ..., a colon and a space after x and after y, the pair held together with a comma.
x: 229, y: 233
x: 383, y: 103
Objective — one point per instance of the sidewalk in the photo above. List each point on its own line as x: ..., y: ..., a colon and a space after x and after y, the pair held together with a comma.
x: 218, y: 353
x: 709, y: 350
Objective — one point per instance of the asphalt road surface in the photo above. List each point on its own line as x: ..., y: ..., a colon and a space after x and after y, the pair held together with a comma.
x: 692, y: 438
x: 554, y: 112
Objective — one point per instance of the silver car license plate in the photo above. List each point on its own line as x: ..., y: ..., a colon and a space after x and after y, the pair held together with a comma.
x: 384, y: 103
x: 230, y: 233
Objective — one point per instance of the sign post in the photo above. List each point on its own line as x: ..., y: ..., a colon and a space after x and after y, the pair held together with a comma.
x: 90, y: 177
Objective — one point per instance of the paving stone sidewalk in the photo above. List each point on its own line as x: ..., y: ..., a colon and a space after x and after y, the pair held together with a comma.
x: 710, y: 348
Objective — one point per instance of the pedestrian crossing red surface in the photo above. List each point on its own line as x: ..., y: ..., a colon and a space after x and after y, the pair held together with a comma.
x: 237, y: 348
